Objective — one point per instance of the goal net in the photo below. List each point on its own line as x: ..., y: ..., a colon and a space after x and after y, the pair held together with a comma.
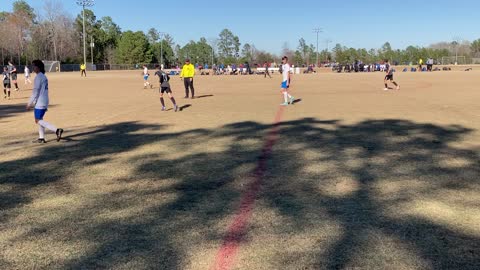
x: 51, y: 66
x: 454, y: 60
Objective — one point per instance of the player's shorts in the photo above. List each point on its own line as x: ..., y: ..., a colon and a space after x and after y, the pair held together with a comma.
x: 7, y: 84
x: 145, y: 77
x: 14, y: 76
x: 285, y: 85
x: 389, y: 77
x: 165, y: 90
x: 39, y: 113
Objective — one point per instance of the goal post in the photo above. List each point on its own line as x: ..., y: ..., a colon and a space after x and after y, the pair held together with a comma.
x: 51, y: 66
x: 454, y: 60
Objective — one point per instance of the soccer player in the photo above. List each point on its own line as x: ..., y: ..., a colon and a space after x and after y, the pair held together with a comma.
x: 145, y: 77
x: 165, y: 87
x: 6, y: 83
x: 13, y: 72
x: 288, y: 99
x: 389, y: 76
x: 83, y: 69
x: 266, y: 70
x: 39, y: 101
x: 188, y: 71
x: 27, y: 75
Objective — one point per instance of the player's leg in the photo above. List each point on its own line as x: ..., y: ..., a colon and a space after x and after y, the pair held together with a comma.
x: 15, y: 81
x: 191, y: 88
x: 186, y: 84
x: 4, y: 90
x: 39, y: 119
x: 162, y: 101
x: 170, y: 95
x: 396, y: 84
x: 385, y: 82
x: 41, y: 133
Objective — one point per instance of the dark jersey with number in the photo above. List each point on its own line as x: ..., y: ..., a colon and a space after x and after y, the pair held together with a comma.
x: 12, y: 69
x: 164, y: 78
x: 6, y: 76
x: 389, y: 69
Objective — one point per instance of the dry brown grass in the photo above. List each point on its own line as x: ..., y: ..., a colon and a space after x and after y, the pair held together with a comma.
x: 359, y: 179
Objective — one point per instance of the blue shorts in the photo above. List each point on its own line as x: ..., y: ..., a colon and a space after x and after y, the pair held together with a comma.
x: 39, y: 113
x: 145, y: 77
x: 284, y: 85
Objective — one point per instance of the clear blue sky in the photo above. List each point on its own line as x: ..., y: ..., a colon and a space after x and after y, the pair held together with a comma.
x: 269, y: 24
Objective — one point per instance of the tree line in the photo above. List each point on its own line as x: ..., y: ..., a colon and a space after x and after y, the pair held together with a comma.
x: 27, y: 35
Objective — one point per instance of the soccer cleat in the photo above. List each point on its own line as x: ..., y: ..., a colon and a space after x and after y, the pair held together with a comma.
x: 284, y: 104
x: 17, y: 89
x: 292, y: 99
x: 163, y: 108
x: 176, y: 108
x: 5, y: 96
x: 39, y: 140
x: 193, y: 97
x: 151, y: 86
x: 398, y: 87
x: 185, y: 97
x: 59, y: 133
x: 385, y: 89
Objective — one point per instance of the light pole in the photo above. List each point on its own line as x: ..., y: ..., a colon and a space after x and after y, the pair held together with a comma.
x: 317, y: 31
x: 91, y: 47
x: 456, y: 42
x: 83, y: 4
x: 161, y: 34
x: 326, y: 53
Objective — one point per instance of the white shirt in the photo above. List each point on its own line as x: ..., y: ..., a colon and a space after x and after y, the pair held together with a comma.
x: 39, y: 96
x: 27, y: 72
x: 145, y: 71
x: 285, y: 71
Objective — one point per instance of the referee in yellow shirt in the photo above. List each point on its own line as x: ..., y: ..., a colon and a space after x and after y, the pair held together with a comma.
x: 188, y: 71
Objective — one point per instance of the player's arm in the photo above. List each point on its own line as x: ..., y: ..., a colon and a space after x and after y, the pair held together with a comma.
x: 35, y: 94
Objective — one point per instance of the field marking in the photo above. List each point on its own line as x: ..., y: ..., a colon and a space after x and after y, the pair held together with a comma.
x: 231, y: 241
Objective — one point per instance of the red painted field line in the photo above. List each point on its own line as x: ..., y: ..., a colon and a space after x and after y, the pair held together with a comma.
x: 231, y: 242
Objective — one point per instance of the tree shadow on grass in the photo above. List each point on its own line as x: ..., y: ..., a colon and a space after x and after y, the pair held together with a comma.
x: 365, y: 161
x: 181, y: 185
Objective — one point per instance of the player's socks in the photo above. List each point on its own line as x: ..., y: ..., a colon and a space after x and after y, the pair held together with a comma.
x: 292, y: 99
x: 162, y: 101
x: 8, y: 93
x: 173, y: 101
x: 4, y: 93
x: 47, y: 125
x: 285, y: 97
x: 16, y: 86
x: 41, y: 132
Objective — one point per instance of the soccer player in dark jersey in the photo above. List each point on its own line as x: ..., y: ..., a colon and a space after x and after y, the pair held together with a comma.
x: 266, y: 70
x: 389, y: 76
x: 6, y: 83
x: 165, y: 87
x: 13, y: 72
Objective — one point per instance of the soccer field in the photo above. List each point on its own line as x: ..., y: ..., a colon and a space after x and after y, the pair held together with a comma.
x: 348, y: 177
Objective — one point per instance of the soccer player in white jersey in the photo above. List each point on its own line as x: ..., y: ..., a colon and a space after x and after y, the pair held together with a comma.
x: 39, y: 101
x: 288, y: 99
x: 145, y: 77
x: 27, y: 75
